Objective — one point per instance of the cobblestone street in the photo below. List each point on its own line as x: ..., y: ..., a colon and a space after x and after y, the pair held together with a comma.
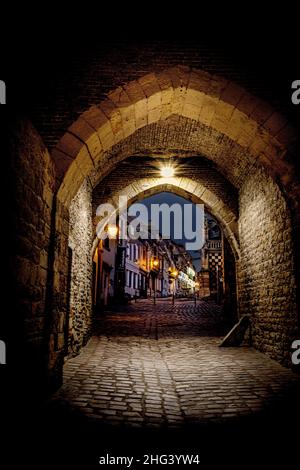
x: 160, y: 365
x: 152, y: 242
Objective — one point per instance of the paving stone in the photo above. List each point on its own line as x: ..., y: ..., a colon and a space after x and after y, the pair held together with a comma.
x: 181, y: 377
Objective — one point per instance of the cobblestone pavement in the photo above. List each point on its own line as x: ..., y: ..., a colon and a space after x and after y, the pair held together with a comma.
x: 156, y: 366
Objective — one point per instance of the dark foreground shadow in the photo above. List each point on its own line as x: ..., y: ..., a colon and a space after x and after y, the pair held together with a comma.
x: 43, y: 436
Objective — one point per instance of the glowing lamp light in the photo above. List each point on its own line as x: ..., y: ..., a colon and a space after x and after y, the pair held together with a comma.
x: 154, y: 263
x: 175, y: 273
x: 167, y: 171
x: 112, y: 231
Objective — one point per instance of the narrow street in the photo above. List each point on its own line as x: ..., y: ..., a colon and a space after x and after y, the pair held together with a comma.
x: 160, y: 365
x: 152, y: 196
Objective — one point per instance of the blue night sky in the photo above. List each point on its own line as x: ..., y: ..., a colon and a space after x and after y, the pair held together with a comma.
x: 170, y: 198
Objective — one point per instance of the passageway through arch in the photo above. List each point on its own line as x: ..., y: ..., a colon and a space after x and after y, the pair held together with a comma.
x: 238, y: 154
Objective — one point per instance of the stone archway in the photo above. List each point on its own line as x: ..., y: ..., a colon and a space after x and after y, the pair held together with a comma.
x: 177, y: 112
x: 82, y: 230
x: 209, y: 101
x: 190, y: 190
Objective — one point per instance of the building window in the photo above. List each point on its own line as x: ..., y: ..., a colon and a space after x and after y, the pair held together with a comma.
x: 130, y: 279
x: 106, y: 243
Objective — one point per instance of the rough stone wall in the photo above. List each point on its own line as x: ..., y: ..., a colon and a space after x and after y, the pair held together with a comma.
x: 31, y: 206
x: 58, y: 301
x: 80, y: 242
x: 266, y: 273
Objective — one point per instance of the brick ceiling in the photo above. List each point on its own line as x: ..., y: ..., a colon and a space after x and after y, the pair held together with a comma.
x: 59, y: 85
x: 198, y: 169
